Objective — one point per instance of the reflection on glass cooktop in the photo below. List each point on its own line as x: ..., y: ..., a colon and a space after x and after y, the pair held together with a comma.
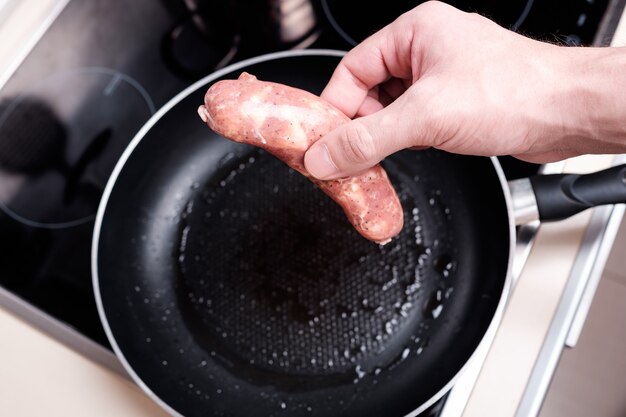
x: 66, y: 116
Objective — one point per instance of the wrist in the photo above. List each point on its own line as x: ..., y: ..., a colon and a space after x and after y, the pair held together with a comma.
x: 593, y: 106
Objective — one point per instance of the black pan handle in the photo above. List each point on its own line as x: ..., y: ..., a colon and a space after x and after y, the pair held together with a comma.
x: 560, y: 196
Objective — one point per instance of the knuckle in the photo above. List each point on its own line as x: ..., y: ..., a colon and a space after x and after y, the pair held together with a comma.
x: 357, y: 144
x: 432, y: 6
x: 433, y: 14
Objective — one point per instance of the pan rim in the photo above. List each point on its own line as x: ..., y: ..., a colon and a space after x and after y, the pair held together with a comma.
x: 487, y: 336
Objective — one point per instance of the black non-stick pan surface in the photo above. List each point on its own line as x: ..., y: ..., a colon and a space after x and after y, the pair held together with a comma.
x: 230, y: 286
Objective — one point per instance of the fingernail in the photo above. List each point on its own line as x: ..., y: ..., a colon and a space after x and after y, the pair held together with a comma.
x: 318, y: 162
x: 202, y: 112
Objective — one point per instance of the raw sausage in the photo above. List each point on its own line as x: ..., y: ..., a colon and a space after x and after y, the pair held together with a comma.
x: 286, y: 121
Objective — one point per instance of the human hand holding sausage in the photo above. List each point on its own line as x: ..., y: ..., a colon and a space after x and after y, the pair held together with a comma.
x: 285, y: 121
x: 439, y: 77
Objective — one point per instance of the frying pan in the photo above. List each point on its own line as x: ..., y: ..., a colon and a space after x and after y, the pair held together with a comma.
x: 229, y: 285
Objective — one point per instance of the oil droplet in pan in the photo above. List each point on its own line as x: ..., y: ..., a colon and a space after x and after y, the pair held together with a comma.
x: 225, y: 159
x: 433, y: 305
x: 360, y: 373
x: 443, y: 264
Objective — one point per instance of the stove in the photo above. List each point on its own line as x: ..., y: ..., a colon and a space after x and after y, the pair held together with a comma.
x: 97, y: 75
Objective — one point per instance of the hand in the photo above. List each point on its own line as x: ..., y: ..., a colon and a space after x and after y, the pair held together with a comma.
x: 439, y: 77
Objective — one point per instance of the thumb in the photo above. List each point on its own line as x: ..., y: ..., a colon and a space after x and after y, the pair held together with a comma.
x: 362, y: 143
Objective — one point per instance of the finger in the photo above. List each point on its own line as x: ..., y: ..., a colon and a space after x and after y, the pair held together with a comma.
x: 382, y: 56
x: 371, y: 104
x: 363, y: 142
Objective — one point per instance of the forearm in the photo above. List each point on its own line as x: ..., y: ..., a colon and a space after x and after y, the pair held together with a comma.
x: 595, y: 107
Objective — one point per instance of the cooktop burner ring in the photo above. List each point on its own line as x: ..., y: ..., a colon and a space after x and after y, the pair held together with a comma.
x: 345, y: 34
x: 523, y: 16
x: 64, y: 169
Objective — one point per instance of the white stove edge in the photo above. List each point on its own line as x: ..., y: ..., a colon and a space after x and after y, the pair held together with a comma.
x: 18, y: 51
x: 6, y: 7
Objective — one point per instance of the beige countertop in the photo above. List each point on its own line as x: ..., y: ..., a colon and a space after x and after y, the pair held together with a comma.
x: 41, y: 376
